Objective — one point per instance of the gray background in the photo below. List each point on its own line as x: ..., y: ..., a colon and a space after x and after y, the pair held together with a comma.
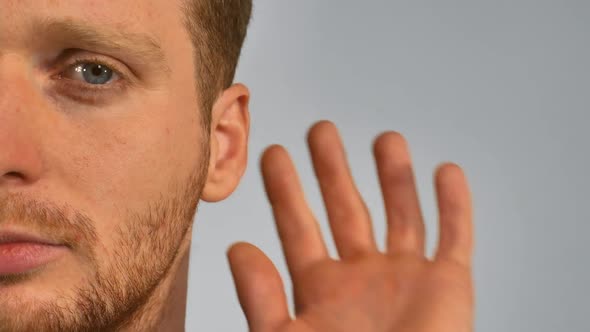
x: 500, y: 87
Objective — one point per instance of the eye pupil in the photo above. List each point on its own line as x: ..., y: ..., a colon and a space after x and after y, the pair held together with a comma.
x: 96, y: 70
x: 96, y: 73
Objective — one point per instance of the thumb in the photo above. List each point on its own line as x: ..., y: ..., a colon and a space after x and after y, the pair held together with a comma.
x: 260, y: 290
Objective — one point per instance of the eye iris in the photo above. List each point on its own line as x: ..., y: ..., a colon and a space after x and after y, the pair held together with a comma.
x: 96, y: 73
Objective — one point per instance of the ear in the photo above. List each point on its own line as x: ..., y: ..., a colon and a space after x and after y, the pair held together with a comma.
x: 230, y: 126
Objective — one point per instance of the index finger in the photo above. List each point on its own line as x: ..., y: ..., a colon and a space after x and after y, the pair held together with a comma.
x: 298, y: 229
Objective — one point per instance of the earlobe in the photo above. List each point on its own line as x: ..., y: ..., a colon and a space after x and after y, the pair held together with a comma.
x: 230, y: 126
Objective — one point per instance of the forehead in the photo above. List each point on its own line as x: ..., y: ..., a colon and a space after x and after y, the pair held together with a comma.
x: 113, y: 11
x: 162, y: 20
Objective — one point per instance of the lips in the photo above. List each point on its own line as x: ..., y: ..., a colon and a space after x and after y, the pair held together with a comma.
x: 18, y: 237
x: 21, y: 252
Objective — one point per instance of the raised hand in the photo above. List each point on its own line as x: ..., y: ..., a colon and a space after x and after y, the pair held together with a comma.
x: 398, y: 290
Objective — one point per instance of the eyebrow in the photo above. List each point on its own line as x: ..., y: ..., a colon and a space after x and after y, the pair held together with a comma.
x: 141, y: 48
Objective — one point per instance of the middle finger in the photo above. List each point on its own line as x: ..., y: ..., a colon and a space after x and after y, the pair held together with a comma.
x: 347, y: 213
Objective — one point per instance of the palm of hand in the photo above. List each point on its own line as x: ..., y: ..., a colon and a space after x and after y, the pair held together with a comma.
x: 381, y: 293
x: 366, y: 290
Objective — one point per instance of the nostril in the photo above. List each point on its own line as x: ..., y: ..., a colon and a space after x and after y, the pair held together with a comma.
x: 13, y: 178
x: 12, y: 175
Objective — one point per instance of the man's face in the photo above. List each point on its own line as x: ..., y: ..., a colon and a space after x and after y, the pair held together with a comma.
x: 101, y: 149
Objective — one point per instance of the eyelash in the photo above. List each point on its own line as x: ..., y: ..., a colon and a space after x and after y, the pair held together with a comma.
x: 86, y: 92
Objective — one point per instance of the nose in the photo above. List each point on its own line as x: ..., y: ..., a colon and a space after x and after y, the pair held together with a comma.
x: 20, y: 160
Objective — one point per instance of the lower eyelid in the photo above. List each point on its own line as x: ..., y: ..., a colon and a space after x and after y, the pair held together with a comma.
x: 72, y: 84
x: 85, y: 93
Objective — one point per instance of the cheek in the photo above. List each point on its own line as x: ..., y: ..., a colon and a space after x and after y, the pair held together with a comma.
x: 132, y: 163
x: 142, y: 166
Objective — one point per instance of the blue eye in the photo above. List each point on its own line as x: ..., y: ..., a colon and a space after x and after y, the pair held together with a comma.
x: 93, y: 73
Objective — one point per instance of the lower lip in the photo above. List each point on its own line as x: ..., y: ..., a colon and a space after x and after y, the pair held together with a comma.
x: 19, y: 257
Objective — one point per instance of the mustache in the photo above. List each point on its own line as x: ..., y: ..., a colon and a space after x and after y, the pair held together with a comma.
x: 61, y: 223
